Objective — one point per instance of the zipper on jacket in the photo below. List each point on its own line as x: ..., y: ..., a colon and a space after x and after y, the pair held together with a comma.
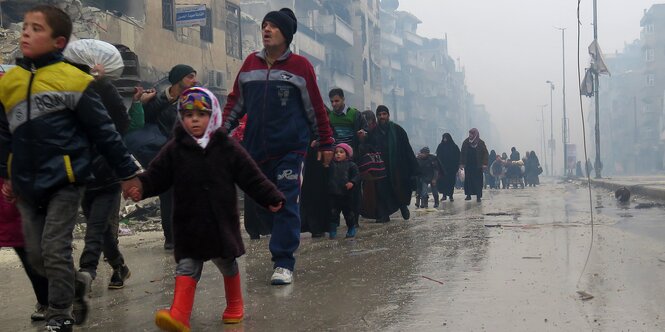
x: 33, y: 73
x: 263, y: 113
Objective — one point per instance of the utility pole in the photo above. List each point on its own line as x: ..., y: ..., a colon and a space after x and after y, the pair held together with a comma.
x: 565, y: 120
x: 543, y: 151
x: 596, y: 79
x: 551, y: 143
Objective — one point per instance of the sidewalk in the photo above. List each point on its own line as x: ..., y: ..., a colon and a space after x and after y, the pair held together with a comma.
x: 651, y: 186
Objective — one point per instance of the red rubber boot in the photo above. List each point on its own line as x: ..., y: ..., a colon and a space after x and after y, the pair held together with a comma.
x: 176, y: 319
x: 234, y: 311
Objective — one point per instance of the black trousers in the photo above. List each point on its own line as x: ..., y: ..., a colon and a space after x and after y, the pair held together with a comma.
x: 345, y: 205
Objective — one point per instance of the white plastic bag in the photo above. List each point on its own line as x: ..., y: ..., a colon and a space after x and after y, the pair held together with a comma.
x: 461, y: 175
x: 91, y: 52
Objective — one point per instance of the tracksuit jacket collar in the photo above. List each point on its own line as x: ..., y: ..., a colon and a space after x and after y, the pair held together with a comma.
x: 43, y: 61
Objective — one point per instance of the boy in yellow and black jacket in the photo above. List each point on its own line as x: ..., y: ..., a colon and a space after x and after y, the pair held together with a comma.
x: 49, y: 120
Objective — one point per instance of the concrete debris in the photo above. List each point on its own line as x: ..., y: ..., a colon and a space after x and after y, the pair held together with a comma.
x: 584, y: 296
x: 9, y: 41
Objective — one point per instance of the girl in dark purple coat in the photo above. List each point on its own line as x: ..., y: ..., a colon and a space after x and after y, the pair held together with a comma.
x: 203, y: 166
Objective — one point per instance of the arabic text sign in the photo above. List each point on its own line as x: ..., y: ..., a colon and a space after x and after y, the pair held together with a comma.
x: 190, y: 16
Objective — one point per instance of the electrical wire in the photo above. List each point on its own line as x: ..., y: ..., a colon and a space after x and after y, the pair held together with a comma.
x: 586, y: 157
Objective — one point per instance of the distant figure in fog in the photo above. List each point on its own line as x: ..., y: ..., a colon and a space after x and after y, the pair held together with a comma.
x: 489, y: 179
x: 533, y: 169
x: 578, y: 169
x: 448, y: 154
x: 514, y: 154
x: 473, y: 159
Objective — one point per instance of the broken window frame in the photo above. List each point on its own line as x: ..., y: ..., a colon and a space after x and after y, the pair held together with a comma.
x: 168, y: 15
x: 206, y: 32
x: 233, y: 32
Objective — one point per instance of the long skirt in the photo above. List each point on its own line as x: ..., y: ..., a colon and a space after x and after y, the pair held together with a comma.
x: 473, y: 181
x: 314, y: 201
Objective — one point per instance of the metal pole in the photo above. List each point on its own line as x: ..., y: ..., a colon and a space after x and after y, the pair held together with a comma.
x: 598, y: 163
x: 551, y: 130
x: 565, y: 121
x: 543, y: 151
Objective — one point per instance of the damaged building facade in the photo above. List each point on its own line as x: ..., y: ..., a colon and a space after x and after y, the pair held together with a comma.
x: 339, y: 37
x: 374, y: 53
x: 149, y: 29
x: 632, y: 102
x: 366, y: 47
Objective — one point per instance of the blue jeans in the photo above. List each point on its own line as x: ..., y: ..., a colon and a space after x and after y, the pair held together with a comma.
x: 101, y: 208
x: 285, y: 238
x: 48, y: 243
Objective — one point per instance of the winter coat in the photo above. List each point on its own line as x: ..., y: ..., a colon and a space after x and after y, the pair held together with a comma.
x: 206, y: 222
x: 429, y: 167
x: 159, y: 110
x: 481, y: 154
x: 283, y: 106
x: 342, y: 172
x: 104, y: 175
x: 10, y: 224
x: 49, y: 118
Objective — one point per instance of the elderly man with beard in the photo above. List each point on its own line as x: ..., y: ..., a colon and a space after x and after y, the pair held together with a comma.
x: 392, y: 141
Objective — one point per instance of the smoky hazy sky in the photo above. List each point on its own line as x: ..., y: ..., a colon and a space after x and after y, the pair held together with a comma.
x: 509, y: 48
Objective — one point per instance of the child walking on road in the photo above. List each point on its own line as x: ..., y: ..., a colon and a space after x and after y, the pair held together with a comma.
x: 344, y: 176
x: 50, y: 116
x: 203, y: 165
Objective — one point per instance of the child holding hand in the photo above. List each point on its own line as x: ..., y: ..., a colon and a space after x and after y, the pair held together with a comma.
x: 203, y: 165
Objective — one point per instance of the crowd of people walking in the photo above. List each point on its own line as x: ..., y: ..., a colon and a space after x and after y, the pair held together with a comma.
x: 299, y: 164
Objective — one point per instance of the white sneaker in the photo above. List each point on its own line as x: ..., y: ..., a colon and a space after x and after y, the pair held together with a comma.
x: 281, y: 276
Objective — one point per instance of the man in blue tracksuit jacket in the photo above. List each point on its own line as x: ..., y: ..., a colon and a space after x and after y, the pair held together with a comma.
x: 277, y: 91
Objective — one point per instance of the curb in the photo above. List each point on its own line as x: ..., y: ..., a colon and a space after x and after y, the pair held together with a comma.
x: 651, y: 192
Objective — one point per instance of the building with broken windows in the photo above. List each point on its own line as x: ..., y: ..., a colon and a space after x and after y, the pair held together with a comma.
x: 339, y: 37
x: 423, y: 87
x: 632, y: 99
x: 152, y: 30
x: 366, y: 47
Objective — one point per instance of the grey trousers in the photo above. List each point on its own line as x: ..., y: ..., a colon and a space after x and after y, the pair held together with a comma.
x: 191, y: 267
x: 48, y: 243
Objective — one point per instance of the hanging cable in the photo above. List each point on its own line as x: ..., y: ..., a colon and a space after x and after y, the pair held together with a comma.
x: 586, y: 157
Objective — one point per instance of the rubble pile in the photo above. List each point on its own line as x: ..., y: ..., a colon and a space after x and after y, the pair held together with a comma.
x: 9, y: 40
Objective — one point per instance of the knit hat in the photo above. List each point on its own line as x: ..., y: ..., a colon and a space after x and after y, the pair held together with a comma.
x: 178, y: 72
x: 382, y: 108
x: 285, y: 20
x: 425, y: 150
x: 347, y: 148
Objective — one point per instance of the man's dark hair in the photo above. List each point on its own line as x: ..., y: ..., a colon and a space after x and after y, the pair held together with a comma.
x: 57, y: 19
x: 336, y: 92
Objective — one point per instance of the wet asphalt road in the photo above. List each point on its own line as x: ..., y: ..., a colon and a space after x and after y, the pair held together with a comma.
x: 510, y: 263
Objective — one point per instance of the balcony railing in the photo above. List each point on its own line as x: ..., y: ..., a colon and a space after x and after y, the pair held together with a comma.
x: 343, y: 81
x: 413, y: 38
x: 307, y: 44
x: 333, y: 25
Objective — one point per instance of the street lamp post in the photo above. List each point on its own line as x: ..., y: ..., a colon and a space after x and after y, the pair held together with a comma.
x: 543, y: 151
x: 563, y: 92
x: 551, y: 142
